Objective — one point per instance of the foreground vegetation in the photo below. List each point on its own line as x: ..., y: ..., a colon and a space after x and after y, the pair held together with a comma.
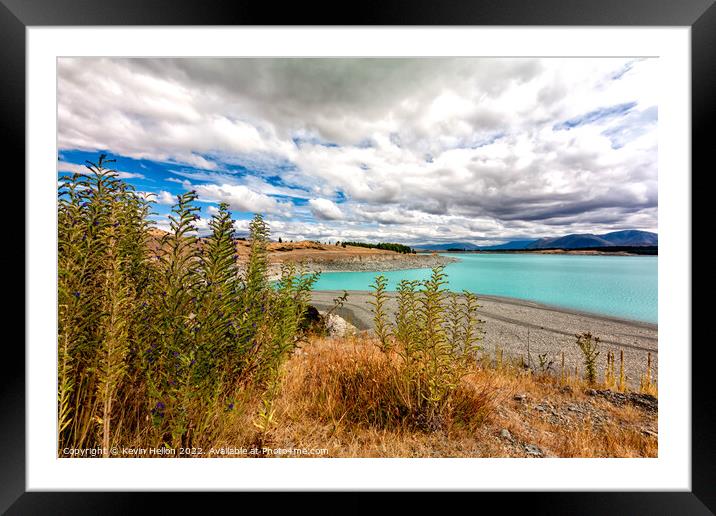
x: 159, y: 348
x: 345, y: 395
x: 182, y: 346
x: 340, y: 396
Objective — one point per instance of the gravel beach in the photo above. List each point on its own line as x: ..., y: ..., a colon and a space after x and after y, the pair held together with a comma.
x: 511, y: 323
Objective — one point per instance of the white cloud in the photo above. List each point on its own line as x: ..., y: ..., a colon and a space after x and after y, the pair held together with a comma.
x: 409, y: 146
x: 166, y: 198
x: 241, y: 198
x: 325, y: 209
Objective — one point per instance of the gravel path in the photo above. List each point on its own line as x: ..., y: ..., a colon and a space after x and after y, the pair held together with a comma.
x: 511, y: 323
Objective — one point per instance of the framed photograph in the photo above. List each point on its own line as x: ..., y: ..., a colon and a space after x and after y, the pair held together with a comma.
x: 426, y: 248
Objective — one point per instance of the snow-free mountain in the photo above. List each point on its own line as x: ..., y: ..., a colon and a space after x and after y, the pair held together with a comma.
x: 629, y: 237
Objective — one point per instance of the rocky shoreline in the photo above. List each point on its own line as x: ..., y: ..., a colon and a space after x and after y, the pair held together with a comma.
x: 371, y: 263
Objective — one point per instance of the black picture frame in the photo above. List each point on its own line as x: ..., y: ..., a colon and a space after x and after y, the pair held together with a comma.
x: 700, y: 15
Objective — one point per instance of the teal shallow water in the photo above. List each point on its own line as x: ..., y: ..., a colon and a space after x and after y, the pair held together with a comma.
x: 619, y: 286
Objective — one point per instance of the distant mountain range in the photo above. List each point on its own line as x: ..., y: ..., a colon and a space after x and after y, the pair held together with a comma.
x: 629, y: 237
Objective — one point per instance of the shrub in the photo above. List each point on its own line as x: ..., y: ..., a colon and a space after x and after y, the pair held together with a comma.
x: 434, y: 337
x: 589, y: 345
x: 157, y: 346
x: 380, y: 315
x: 102, y: 282
x: 354, y: 383
x: 646, y: 385
x: 609, y: 374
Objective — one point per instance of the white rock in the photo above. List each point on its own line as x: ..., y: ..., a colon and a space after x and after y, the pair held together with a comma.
x: 337, y: 326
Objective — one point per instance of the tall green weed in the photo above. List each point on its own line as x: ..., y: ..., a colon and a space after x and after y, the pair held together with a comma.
x: 159, y: 337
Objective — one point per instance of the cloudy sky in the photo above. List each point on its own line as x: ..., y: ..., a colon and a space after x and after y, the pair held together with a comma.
x: 478, y: 150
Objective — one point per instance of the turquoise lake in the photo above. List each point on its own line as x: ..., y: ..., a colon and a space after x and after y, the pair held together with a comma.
x: 620, y: 286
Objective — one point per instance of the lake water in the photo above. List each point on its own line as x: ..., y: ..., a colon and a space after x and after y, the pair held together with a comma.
x: 620, y: 286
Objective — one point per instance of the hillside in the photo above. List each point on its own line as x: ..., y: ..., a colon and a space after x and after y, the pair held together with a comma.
x: 297, y: 251
x: 626, y: 238
x: 328, y: 257
x: 570, y: 242
x: 617, y: 238
x: 513, y: 244
x: 632, y: 237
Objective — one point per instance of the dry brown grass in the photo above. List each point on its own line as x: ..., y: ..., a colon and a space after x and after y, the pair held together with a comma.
x: 345, y: 396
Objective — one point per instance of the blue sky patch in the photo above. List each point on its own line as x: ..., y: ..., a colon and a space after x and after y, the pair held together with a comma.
x: 595, y: 116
